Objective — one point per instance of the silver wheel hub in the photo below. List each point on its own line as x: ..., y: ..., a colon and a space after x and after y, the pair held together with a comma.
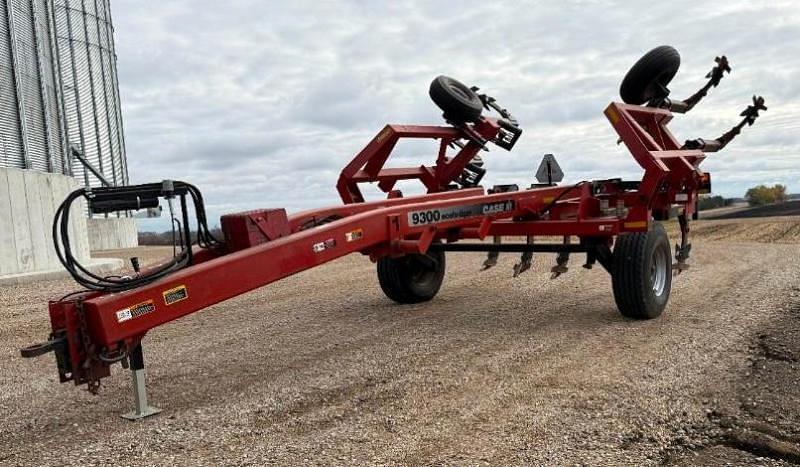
x: 659, y: 268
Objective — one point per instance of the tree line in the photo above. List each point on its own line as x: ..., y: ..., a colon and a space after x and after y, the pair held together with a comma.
x: 762, y: 194
x: 166, y: 238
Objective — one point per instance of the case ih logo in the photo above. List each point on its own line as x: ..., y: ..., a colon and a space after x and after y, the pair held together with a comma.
x: 135, y: 311
x: 502, y: 206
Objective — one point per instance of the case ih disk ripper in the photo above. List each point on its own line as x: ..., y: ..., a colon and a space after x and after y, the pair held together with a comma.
x: 613, y: 222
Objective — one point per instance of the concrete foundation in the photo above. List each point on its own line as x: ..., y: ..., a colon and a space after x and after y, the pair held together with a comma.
x: 28, y: 201
x: 99, y: 266
x: 112, y: 233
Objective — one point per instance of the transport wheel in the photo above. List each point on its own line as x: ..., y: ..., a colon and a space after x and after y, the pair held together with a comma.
x: 411, y: 278
x: 457, y: 100
x: 649, y: 76
x: 642, y: 272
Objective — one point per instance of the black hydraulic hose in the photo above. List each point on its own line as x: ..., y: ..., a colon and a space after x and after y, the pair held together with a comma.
x: 205, y: 238
x: 92, y: 281
x: 77, y: 270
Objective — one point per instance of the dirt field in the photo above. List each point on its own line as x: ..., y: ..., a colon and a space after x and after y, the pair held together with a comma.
x: 788, y: 208
x: 322, y: 369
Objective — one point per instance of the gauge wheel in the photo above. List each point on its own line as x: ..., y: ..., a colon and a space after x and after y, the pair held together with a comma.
x: 458, y: 102
x: 642, y: 272
x: 412, y: 278
x: 648, y: 78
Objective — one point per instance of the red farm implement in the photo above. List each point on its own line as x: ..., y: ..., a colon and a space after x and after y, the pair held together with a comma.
x: 612, y: 222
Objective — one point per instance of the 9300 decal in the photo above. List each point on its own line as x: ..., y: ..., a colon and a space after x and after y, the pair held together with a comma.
x: 424, y: 217
x: 431, y: 216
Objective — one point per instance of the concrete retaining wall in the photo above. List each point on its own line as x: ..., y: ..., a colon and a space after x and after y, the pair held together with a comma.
x: 112, y: 233
x: 28, y: 201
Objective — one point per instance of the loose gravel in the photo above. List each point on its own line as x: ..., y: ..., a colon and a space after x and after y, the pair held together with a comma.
x: 322, y: 369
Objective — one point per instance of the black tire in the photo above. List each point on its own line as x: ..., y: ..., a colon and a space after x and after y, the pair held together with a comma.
x: 642, y: 272
x: 648, y: 75
x: 458, y: 102
x: 412, y: 278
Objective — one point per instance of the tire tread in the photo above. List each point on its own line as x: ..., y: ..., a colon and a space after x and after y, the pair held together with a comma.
x: 395, y: 281
x: 663, y: 62
x: 454, y: 106
x: 629, y: 278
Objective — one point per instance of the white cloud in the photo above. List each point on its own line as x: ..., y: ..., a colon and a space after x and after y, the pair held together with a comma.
x: 262, y: 103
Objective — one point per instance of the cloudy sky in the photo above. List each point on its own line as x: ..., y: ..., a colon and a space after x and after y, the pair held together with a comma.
x: 262, y: 103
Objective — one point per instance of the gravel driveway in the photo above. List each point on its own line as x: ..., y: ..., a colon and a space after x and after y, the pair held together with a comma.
x: 322, y: 369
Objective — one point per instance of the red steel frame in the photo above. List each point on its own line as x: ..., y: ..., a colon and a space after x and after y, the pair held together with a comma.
x: 591, y: 210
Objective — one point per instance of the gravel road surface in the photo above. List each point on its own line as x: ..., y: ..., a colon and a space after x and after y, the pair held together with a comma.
x: 322, y: 369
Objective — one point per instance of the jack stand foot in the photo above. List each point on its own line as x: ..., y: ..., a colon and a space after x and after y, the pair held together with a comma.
x: 141, y: 408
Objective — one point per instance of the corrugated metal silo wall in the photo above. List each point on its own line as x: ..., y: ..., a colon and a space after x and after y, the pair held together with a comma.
x: 31, y: 125
x: 91, y: 94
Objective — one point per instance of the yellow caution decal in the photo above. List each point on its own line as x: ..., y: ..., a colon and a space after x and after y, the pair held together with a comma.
x: 635, y: 225
x: 175, y: 295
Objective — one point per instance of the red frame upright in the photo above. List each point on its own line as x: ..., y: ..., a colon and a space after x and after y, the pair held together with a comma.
x: 368, y: 164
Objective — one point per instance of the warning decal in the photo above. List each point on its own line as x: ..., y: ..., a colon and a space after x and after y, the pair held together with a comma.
x: 322, y: 246
x: 175, y: 295
x: 135, y: 311
x: 354, y: 235
x: 432, y: 216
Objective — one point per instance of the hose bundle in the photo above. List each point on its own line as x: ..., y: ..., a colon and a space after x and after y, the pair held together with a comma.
x: 181, y: 259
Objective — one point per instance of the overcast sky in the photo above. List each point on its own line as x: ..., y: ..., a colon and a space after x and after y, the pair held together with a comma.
x: 261, y: 104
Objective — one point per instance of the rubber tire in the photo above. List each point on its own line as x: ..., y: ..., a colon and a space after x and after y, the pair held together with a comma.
x: 657, y: 66
x: 458, y: 102
x: 633, y: 257
x: 399, y: 280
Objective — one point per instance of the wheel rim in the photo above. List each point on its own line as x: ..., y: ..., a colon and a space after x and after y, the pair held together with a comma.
x: 420, y: 272
x: 659, y: 270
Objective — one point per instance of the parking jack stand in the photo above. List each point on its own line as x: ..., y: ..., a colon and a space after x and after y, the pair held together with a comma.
x: 141, y: 408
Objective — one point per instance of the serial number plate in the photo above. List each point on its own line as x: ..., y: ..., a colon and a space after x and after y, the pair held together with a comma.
x: 432, y: 216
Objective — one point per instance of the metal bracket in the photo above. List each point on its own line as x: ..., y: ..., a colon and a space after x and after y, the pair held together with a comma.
x: 55, y: 344
x: 750, y: 114
x: 714, y: 76
x: 509, y: 126
x: 77, y: 154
